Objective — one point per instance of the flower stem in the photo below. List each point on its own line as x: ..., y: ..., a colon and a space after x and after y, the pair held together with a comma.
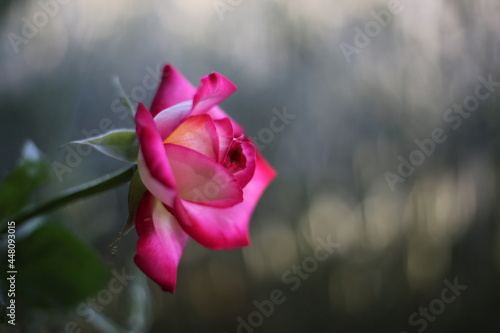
x: 102, y: 184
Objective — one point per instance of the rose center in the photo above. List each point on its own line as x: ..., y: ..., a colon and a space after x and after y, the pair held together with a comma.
x: 235, y: 159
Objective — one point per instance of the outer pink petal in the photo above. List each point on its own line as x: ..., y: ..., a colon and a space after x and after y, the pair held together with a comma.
x: 226, y: 136
x: 214, y: 89
x: 174, y: 88
x: 154, y: 168
x: 197, y: 133
x: 225, y: 228
x: 202, y: 180
x: 161, y: 242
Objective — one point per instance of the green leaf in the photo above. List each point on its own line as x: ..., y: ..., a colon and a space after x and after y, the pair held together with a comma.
x: 135, y: 193
x: 120, y: 144
x: 18, y: 188
x: 55, y: 268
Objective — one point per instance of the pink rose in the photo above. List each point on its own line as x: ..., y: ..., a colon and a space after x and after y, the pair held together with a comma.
x: 203, y: 176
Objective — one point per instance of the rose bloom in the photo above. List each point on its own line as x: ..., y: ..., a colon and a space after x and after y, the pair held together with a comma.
x: 203, y: 176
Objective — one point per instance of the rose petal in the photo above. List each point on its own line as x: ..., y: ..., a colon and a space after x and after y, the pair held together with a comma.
x: 226, y: 136
x: 161, y: 242
x: 174, y: 88
x: 197, y: 133
x: 202, y: 180
x: 214, y: 89
x: 245, y: 175
x: 226, y: 228
x: 169, y: 119
x: 154, y: 168
x: 217, y: 113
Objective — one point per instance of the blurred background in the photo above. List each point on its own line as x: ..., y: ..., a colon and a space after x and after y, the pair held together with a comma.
x: 392, y: 154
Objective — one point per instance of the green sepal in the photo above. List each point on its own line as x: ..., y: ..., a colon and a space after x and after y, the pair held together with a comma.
x: 119, y: 144
x: 135, y: 193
